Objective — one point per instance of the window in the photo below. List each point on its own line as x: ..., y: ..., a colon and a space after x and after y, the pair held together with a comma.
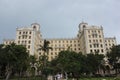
x: 91, y: 51
x: 90, y: 46
x: 95, y: 35
x: 29, y: 42
x: 55, y: 53
x: 59, y: 41
x: 19, y: 37
x: 94, y: 45
x: 98, y: 31
x: 18, y: 42
x: 84, y: 26
x: 90, y: 41
x: 89, y: 36
x: 40, y: 53
x: 95, y: 50
x: 22, y: 42
x: 23, y: 32
x: 25, y: 42
x: 51, y: 57
x: 100, y: 40
x: 88, y: 31
x: 51, y: 53
x: 30, y: 32
x: 97, y: 45
x: 113, y: 44
x: 55, y: 49
x: 74, y: 41
x: 98, y: 51
x: 29, y: 37
x: 75, y: 45
x: 101, y: 45
x: 28, y: 46
x: 19, y: 32
x: 75, y: 49
x: 96, y: 40
x: 102, y: 50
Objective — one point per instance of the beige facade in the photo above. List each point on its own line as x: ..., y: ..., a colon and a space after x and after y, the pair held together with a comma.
x: 61, y: 44
x: 109, y: 43
x: 90, y: 39
x: 29, y: 37
x: 8, y: 41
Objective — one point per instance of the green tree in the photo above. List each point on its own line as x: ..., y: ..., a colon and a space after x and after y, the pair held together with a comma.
x: 33, y: 64
x: 2, y: 62
x: 46, y: 49
x: 15, y: 59
x: 44, y: 58
x: 93, y: 62
x: 22, y: 61
x: 67, y: 62
x: 114, y: 58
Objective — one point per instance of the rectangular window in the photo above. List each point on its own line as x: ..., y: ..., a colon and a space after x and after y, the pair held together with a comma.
x: 89, y: 41
x: 51, y: 53
x: 23, y: 32
x: 29, y: 42
x: 100, y: 40
x: 19, y: 37
x: 90, y: 46
x: 75, y: 45
x: 19, y: 32
x: 102, y: 50
x: 89, y: 36
x: 91, y: 51
x: 18, y: 42
x: 29, y: 37
x: 30, y: 32
x: 28, y: 46
x: 98, y: 31
x: 75, y: 49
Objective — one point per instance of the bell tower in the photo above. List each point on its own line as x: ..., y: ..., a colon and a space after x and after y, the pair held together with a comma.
x: 81, y: 26
x: 36, y: 26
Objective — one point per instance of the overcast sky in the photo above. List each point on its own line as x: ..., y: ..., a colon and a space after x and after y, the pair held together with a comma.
x: 58, y: 17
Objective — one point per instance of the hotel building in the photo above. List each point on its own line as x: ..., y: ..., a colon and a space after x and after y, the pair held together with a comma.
x: 90, y: 39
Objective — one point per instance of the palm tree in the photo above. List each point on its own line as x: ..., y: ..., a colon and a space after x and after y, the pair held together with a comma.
x: 45, y: 48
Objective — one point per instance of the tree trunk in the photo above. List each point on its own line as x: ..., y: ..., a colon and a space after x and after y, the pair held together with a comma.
x: 8, y: 75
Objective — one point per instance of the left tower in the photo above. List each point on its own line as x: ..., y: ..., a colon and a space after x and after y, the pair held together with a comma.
x: 29, y: 37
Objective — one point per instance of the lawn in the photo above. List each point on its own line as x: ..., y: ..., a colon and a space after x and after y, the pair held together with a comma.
x: 38, y: 78
x: 110, y: 78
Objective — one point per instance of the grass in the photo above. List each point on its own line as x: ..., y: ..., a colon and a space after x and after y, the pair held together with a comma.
x: 38, y: 78
x: 103, y: 78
